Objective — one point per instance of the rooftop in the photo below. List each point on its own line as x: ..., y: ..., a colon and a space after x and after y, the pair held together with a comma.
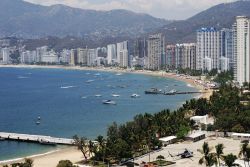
x: 167, y: 138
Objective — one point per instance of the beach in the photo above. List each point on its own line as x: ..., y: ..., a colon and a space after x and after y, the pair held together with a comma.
x: 51, y: 159
x: 72, y: 154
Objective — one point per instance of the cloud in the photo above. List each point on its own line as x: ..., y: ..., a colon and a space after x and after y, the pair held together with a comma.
x: 169, y: 9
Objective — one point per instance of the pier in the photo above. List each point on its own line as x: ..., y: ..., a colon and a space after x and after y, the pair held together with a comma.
x: 36, y: 138
x: 156, y: 92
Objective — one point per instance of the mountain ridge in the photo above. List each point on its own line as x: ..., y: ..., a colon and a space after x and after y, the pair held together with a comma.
x: 23, y: 19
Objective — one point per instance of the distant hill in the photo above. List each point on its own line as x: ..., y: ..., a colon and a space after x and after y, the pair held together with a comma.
x: 220, y: 16
x: 26, y: 20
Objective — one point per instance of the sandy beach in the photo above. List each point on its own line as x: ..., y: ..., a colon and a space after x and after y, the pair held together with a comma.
x: 72, y: 154
x: 51, y: 159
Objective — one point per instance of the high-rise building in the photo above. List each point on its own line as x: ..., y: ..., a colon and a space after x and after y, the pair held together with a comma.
x: 82, y: 56
x: 208, y: 49
x: 6, y: 55
x: 122, y: 54
x: 65, y: 56
x: 242, y: 49
x: 40, y: 52
x: 73, y: 57
x: 140, y: 48
x: 156, y: 52
x: 28, y: 57
x: 170, y: 57
x: 226, y: 60
x: 185, y: 55
x: 92, y: 57
x: 111, y: 54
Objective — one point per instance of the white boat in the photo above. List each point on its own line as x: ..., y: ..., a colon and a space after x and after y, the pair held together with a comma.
x: 109, y: 102
x: 118, y: 74
x: 38, y: 122
x: 67, y: 87
x: 98, y: 95
x: 135, y: 95
x: 173, y: 91
x: 84, y: 97
x: 115, y: 95
x: 89, y: 81
x: 97, y: 74
x: 46, y: 142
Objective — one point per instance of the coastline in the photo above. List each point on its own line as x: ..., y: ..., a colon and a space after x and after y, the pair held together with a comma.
x: 190, y: 81
x: 53, y: 157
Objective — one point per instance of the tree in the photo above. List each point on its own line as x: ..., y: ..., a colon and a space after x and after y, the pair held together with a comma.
x: 183, y: 131
x: 81, y: 144
x: 101, y: 147
x: 230, y: 159
x: 219, y: 152
x: 243, y: 152
x: 160, y: 158
x: 209, y: 159
x: 65, y: 163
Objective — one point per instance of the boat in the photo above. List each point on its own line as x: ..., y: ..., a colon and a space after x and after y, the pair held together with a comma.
x: 89, y: 81
x: 171, y: 92
x: 46, y: 142
x: 97, y: 74
x: 135, y: 95
x: 67, y: 87
x: 152, y: 91
x: 118, y: 74
x: 38, y: 122
x: 38, y: 118
x: 98, y: 95
x: 109, y: 102
x: 115, y: 95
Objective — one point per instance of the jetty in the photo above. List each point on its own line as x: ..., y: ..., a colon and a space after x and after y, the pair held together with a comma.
x: 170, y: 93
x: 36, y: 138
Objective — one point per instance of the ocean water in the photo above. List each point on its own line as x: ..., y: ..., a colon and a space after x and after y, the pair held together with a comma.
x: 66, y: 102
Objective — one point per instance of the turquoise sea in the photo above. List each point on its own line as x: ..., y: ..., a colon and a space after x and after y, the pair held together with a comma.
x: 66, y: 102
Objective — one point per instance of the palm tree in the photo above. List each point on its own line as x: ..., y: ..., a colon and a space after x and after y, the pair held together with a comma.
x: 208, y: 158
x: 160, y: 158
x: 101, y: 146
x: 81, y: 144
x: 219, y: 152
x: 230, y: 159
x: 248, y: 155
x: 242, y: 152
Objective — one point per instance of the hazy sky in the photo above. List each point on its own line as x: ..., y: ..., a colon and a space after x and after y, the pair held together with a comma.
x: 168, y: 9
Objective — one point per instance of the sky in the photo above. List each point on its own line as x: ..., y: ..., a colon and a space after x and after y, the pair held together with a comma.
x: 167, y: 9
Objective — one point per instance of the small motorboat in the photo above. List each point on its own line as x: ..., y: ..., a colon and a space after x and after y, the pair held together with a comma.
x: 135, y: 95
x: 98, y: 95
x: 38, y: 122
x: 109, y: 102
x: 89, y: 81
x: 115, y: 95
x: 46, y: 142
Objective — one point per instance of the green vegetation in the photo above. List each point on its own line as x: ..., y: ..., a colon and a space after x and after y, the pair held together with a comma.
x: 189, y: 71
x: 27, y: 163
x: 140, y: 136
x: 65, y: 163
x: 214, y: 158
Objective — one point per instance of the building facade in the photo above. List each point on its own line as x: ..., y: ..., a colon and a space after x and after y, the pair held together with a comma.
x: 156, y: 52
x: 111, y: 54
x: 208, y: 49
x: 242, y: 49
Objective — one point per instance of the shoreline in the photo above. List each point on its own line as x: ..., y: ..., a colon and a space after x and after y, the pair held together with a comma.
x: 51, y: 158
x: 190, y: 81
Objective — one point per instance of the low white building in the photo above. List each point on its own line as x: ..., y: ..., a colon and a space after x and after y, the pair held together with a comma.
x: 196, y: 136
x: 168, y: 140
x: 241, y: 136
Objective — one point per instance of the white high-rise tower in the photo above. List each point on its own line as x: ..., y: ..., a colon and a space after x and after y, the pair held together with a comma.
x: 242, y: 51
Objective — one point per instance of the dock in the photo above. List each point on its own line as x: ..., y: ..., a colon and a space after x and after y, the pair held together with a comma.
x: 156, y: 92
x: 35, y: 138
